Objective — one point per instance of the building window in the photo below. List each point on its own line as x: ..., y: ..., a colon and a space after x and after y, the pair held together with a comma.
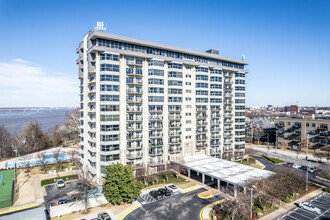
x: 288, y: 123
x: 313, y: 125
x: 307, y: 124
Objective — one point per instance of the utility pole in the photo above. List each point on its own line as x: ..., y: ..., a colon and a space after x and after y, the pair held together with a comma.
x: 276, y: 140
x: 309, y: 164
x: 307, y: 137
x: 252, y: 187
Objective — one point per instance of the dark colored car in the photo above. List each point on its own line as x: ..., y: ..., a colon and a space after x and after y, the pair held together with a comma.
x: 165, y: 192
x: 61, y: 201
x: 303, y: 168
x: 156, y: 194
x: 47, y: 215
x: 104, y: 216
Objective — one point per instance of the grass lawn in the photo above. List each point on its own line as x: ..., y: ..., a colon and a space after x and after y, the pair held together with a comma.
x: 246, y: 161
x: 273, y: 160
x: 171, y: 180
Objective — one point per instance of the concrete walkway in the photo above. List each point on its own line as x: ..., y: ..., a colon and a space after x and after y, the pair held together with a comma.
x: 287, y: 206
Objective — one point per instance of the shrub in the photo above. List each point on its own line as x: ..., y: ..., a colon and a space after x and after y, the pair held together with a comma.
x: 326, y: 190
x: 53, y: 180
x: 273, y: 160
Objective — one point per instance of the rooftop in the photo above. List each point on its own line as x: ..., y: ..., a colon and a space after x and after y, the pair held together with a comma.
x: 225, y: 170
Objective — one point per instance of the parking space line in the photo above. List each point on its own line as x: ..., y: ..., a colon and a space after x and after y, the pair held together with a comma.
x: 192, y: 189
x: 305, y: 211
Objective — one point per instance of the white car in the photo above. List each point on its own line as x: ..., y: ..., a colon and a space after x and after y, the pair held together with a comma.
x: 311, y: 170
x: 60, y: 183
x: 172, y: 188
x: 310, y: 207
x: 296, y: 166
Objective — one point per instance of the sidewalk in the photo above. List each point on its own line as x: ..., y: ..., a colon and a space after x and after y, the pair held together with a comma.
x: 287, y: 206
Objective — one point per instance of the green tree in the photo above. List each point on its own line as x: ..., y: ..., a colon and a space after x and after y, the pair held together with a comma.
x: 120, y: 184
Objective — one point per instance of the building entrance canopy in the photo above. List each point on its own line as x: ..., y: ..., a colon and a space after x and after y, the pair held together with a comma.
x: 230, y: 172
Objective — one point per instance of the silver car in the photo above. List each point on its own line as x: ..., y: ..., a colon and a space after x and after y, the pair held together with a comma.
x: 310, y: 207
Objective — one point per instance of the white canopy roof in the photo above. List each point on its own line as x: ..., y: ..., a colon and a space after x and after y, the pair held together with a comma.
x: 225, y: 170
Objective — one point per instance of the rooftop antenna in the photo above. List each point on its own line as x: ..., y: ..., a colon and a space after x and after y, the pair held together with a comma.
x: 100, y: 26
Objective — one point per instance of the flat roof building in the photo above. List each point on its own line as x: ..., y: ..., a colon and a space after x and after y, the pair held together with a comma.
x: 145, y: 103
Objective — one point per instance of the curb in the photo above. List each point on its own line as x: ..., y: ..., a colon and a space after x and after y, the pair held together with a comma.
x: 192, y: 189
x: 19, y: 209
x: 201, y: 214
x: 130, y: 210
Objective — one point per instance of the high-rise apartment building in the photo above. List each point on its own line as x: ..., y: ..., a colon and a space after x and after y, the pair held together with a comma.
x: 146, y: 103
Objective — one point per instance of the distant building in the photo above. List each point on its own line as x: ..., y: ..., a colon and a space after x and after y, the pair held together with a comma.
x: 293, y: 132
x: 294, y: 109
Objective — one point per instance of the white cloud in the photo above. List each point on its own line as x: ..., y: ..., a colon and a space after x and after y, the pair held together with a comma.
x: 25, y: 84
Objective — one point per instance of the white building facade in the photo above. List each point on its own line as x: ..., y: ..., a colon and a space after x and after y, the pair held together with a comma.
x: 145, y: 103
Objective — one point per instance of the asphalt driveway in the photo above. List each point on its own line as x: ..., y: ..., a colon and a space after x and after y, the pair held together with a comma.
x: 268, y: 165
x: 54, y: 194
x: 181, y: 206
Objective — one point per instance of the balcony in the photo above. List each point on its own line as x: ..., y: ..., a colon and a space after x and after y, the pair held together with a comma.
x: 227, y: 74
x: 228, y: 128
x: 178, y: 125
x: 213, y: 153
x: 133, y: 156
x: 215, y: 109
x: 201, y: 109
x: 174, y: 117
x: 133, y: 91
x: 134, y: 119
x: 228, y: 121
x: 226, y: 109
x: 134, y: 109
x: 156, y: 135
x: 134, y: 82
x: 227, y: 88
x: 155, y: 110
x: 201, y: 116
x: 155, y: 163
x: 155, y: 153
x: 174, y: 109
x: 134, y: 148
x: 135, y: 101
x: 155, y: 118
x: 174, y: 150
x: 227, y: 95
x: 228, y: 81
x: 173, y: 134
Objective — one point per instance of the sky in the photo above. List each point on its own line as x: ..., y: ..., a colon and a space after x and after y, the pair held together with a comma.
x: 287, y: 43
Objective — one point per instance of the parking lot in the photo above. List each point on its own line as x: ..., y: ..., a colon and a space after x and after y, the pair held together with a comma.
x: 54, y: 194
x: 181, y: 206
x: 146, y: 198
x: 321, y: 201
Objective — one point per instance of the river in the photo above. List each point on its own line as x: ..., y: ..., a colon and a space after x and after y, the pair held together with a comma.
x: 14, y: 120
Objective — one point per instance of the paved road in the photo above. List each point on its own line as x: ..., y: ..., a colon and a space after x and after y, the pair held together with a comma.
x: 321, y: 201
x: 311, y: 176
x: 182, y: 206
x: 268, y: 165
x: 288, y: 155
x: 31, y: 214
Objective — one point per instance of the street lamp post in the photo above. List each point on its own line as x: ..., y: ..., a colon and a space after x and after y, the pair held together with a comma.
x: 309, y: 164
x: 252, y: 187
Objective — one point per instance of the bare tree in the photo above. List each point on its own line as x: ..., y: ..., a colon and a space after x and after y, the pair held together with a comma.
x: 73, y: 156
x: 34, y: 137
x: 5, y: 146
x: 42, y: 157
x: 58, y: 158
x: 27, y: 164
x: 85, y: 179
x: 72, y: 122
x: 258, y: 132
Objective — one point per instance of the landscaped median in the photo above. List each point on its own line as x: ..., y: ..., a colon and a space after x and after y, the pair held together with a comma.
x: 273, y: 160
x: 206, y: 212
x: 53, y: 180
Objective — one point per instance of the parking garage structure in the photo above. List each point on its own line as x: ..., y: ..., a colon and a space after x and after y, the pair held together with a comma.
x: 229, y: 177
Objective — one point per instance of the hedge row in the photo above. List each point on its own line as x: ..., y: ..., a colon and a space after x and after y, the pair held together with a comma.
x: 273, y: 160
x: 53, y: 180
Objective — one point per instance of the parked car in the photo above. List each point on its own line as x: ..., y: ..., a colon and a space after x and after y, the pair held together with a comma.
x: 296, y: 166
x: 172, y: 188
x: 60, y: 183
x: 47, y: 215
x: 61, y: 201
x: 156, y: 194
x: 311, y: 170
x: 165, y: 191
x: 103, y: 216
x: 310, y: 207
x: 303, y: 168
